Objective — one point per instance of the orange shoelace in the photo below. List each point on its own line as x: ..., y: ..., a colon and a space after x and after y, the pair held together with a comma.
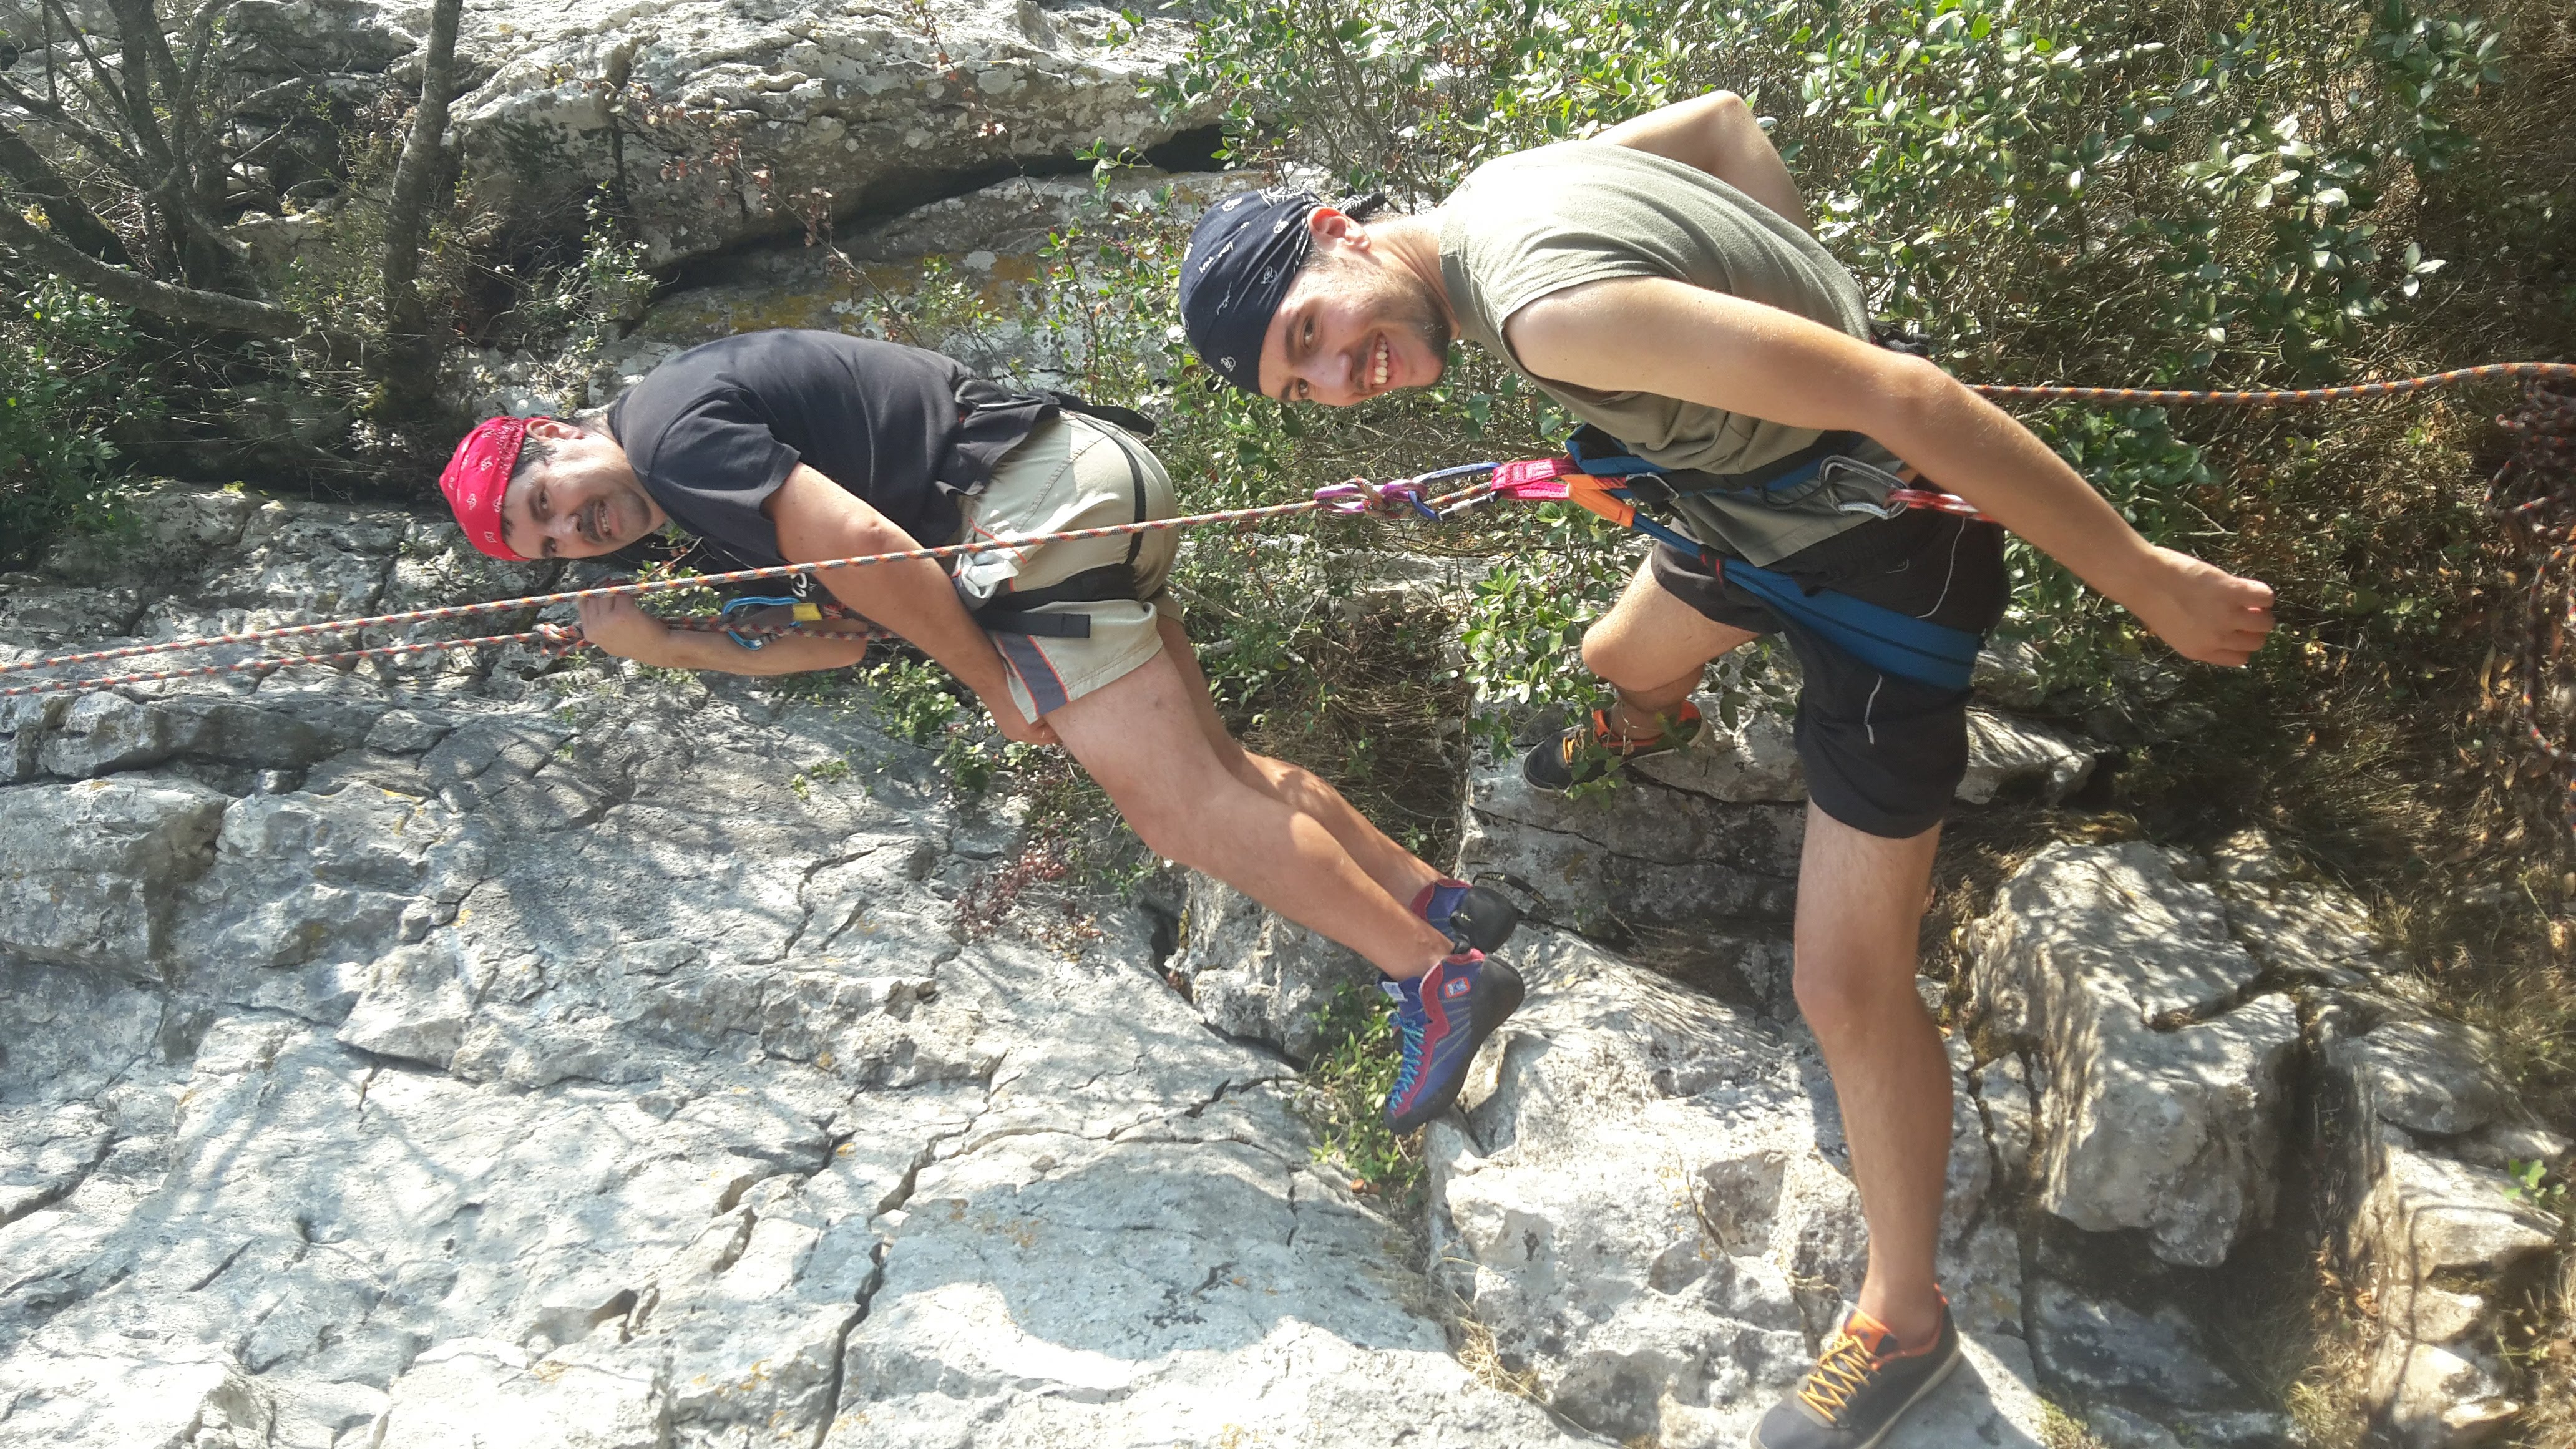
x: 1843, y: 1371
x: 1618, y: 741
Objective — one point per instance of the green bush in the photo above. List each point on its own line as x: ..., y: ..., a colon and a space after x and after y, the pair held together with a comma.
x: 67, y: 370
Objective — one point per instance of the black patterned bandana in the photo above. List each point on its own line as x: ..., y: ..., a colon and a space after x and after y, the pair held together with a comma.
x: 1240, y: 260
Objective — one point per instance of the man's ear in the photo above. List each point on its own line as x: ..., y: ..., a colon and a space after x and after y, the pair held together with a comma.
x: 1327, y: 226
x: 555, y: 428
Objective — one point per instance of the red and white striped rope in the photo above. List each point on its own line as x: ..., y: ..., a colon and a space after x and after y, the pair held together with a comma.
x: 1326, y: 499
x: 2273, y: 397
x: 535, y: 601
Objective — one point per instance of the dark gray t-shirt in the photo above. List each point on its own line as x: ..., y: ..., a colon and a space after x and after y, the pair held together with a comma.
x: 714, y: 431
x: 1536, y: 222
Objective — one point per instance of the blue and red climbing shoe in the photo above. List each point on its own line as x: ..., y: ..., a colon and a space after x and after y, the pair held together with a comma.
x: 1592, y: 749
x: 1471, y: 916
x: 1859, y: 1388
x: 1441, y: 1017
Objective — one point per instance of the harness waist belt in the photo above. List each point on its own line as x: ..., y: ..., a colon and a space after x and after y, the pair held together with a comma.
x: 1011, y: 613
x: 1878, y: 636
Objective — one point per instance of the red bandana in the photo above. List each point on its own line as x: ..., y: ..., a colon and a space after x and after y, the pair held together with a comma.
x: 477, y: 477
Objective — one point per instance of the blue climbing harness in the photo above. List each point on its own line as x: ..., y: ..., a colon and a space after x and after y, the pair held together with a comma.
x: 1880, y: 637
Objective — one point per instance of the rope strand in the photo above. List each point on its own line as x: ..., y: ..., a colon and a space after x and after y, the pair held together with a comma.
x: 1343, y: 499
x: 2266, y: 398
x: 1325, y: 501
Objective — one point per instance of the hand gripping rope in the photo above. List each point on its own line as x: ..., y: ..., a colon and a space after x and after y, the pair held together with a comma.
x: 1408, y: 497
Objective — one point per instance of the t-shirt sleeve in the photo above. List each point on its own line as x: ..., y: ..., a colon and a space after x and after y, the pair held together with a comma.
x: 711, y: 461
x: 1515, y: 255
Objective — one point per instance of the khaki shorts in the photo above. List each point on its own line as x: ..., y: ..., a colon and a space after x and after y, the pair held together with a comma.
x: 1073, y: 472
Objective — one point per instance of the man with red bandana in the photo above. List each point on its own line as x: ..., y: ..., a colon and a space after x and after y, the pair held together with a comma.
x: 1659, y: 282
x: 793, y: 447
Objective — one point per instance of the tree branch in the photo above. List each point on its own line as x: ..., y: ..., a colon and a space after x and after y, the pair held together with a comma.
x: 70, y: 216
x: 410, y: 359
x: 98, y: 143
x: 216, y: 310
x: 101, y: 73
x: 423, y: 158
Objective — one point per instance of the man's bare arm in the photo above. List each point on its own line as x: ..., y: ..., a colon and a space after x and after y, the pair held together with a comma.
x: 1718, y: 134
x: 818, y: 519
x: 1680, y: 341
x: 618, y: 626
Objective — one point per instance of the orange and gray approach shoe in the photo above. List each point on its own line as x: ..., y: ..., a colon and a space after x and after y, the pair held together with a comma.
x: 1859, y: 1388
x: 1592, y: 749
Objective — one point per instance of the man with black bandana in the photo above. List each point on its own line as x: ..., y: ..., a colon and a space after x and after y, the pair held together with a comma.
x: 1660, y: 283
x: 794, y: 447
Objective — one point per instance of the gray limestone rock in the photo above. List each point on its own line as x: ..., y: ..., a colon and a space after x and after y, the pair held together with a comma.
x: 92, y: 870
x: 2007, y: 672
x: 2431, y: 1222
x: 1646, y: 1208
x: 2165, y: 1095
x: 2009, y: 754
x: 1253, y: 974
x: 2148, y: 1369
x: 2423, y: 1075
x: 2294, y: 924
x: 871, y: 104
x: 1702, y: 883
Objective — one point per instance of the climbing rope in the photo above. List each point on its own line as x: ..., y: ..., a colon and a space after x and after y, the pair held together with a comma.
x: 1402, y: 497
x: 2269, y: 398
x: 1354, y: 497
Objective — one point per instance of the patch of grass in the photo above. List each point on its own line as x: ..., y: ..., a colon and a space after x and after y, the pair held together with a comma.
x: 2061, y: 1430
x: 1344, y: 1098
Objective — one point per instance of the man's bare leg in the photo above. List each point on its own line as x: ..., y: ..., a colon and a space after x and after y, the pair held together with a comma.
x: 1860, y: 904
x: 1398, y: 871
x: 1142, y: 739
x: 1653, y: 648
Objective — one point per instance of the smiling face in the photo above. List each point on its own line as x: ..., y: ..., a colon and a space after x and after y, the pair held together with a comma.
x: 574, y: 495
x: 1353, y: 325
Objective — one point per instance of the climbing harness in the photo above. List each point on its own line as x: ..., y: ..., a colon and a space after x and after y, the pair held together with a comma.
x: 1598, y: 474
x: 1906, y: 650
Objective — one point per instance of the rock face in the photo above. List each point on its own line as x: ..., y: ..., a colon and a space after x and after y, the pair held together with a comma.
x: 2427, y: 1218
x: 1703, y: 880
x: 2166, y: 1083
x: 720, y: 122
x: 1649, y: 1209
x: 1255, y: 975
x: 2167, y: 1003
x: 479, y: 1053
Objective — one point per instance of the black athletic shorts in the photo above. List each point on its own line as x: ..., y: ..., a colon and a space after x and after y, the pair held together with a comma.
x: 1883, y: 754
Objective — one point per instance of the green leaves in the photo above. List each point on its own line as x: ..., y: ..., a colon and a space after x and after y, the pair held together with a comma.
x: 68, y: 360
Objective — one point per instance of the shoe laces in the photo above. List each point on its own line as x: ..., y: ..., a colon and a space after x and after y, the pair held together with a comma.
x: 1411, y: 1021
x: 1843, y: 1370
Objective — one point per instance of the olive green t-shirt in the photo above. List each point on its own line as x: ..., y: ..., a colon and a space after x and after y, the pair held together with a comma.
x: 1526, y: 225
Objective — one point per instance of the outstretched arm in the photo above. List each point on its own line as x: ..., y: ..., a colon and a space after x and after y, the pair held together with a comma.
x: 818, y: 519
x: 1718, y: 134
x: 1681, y: 341
x: 617, y: 625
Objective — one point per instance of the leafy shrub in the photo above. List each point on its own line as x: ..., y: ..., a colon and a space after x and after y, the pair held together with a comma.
x: 67, y: 369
